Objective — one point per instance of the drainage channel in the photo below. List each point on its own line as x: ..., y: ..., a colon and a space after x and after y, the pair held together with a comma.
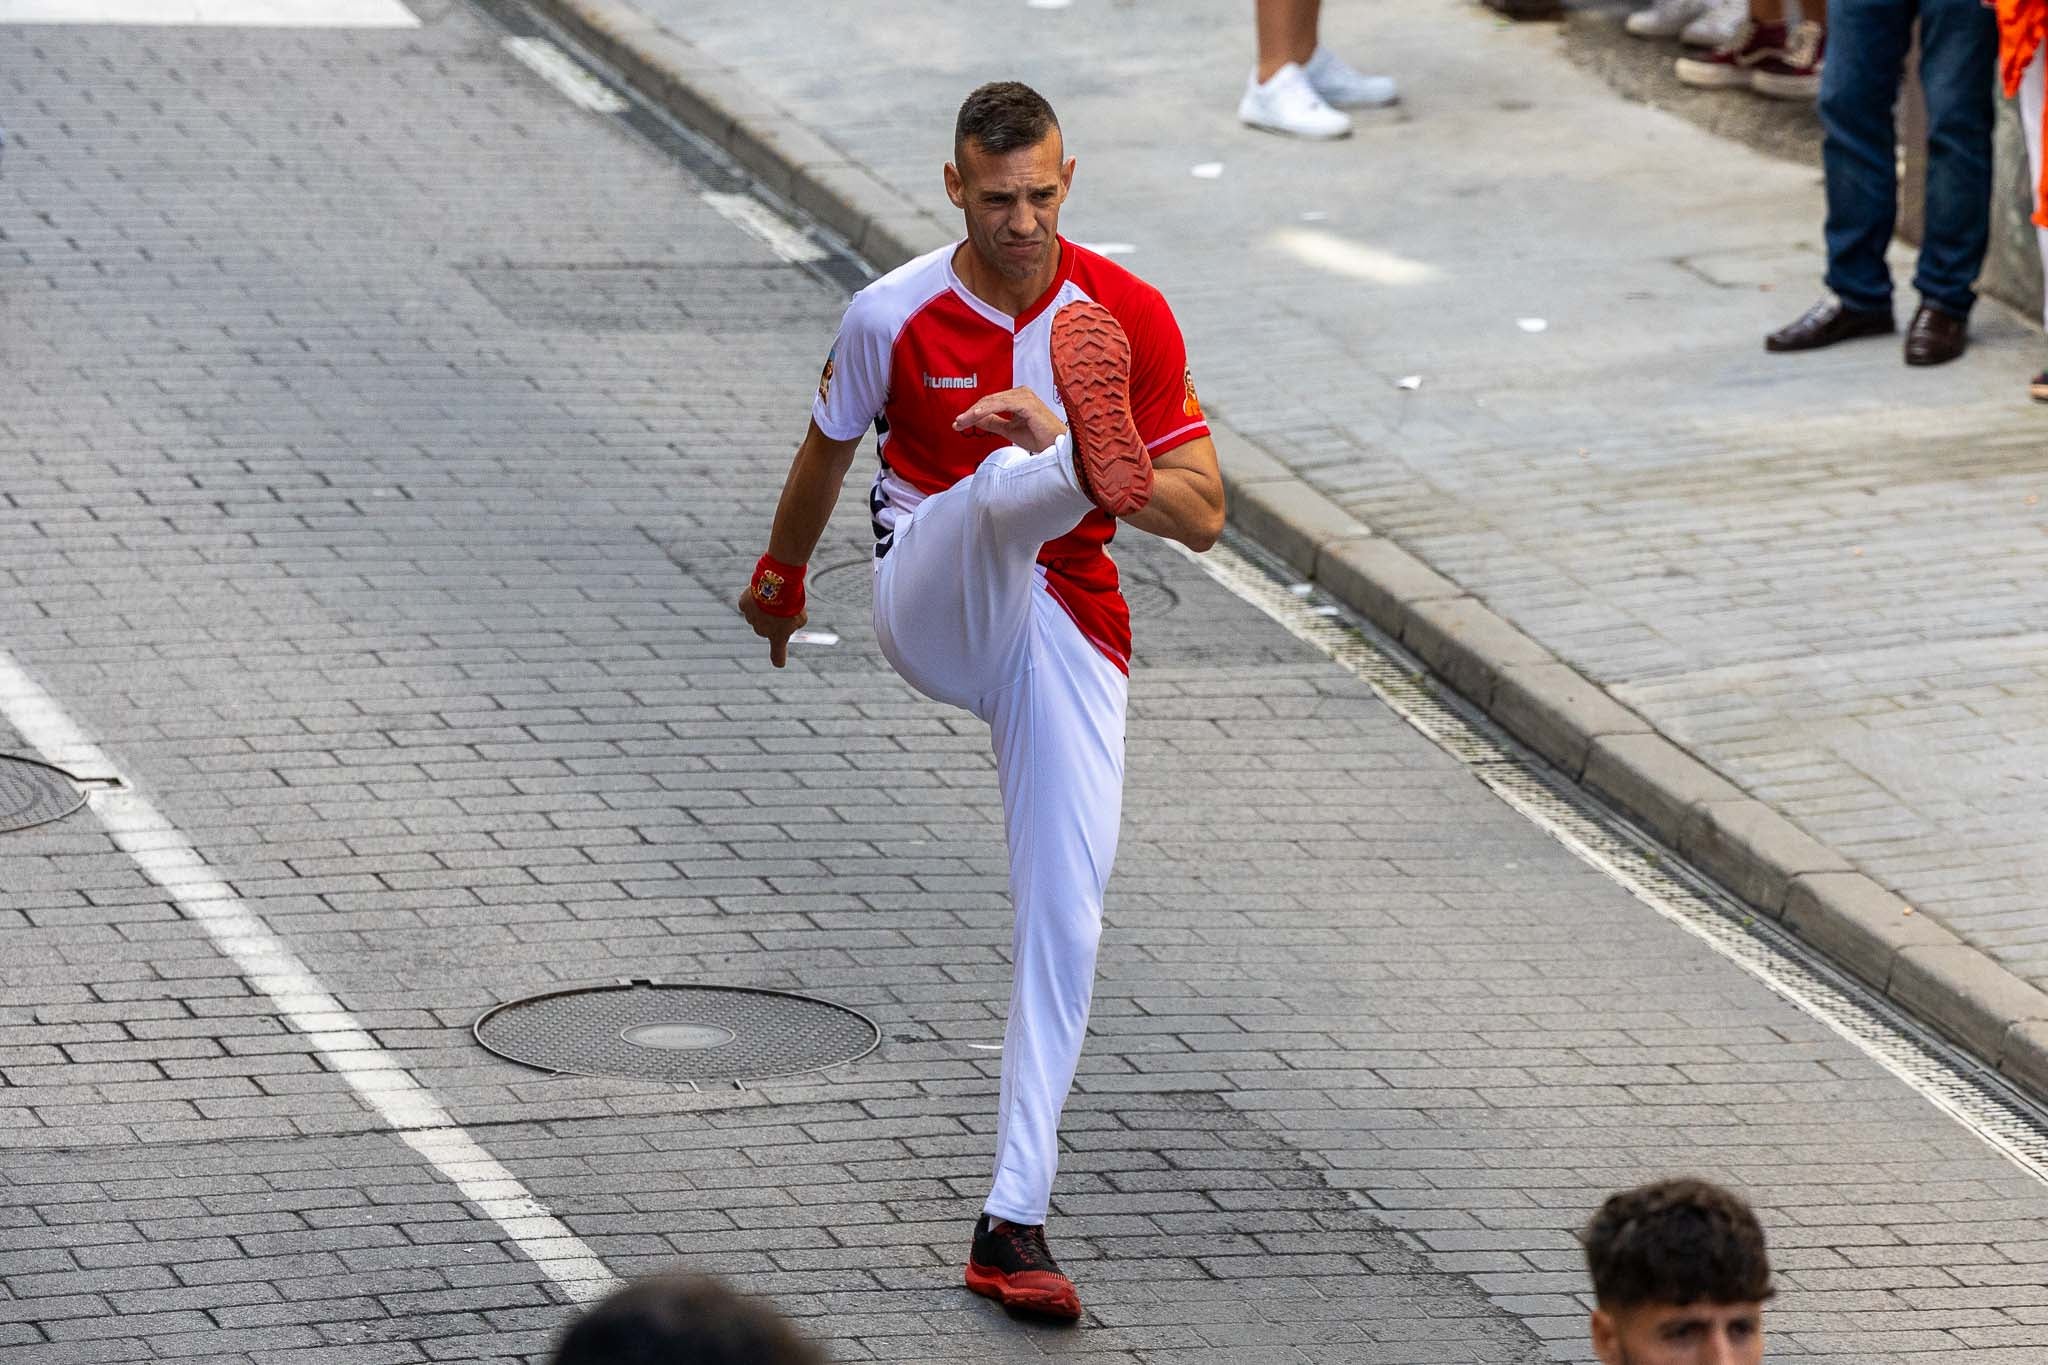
x: 1959, y: 1085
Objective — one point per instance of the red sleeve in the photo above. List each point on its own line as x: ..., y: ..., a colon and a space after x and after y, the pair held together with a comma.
x: 1163, y: 397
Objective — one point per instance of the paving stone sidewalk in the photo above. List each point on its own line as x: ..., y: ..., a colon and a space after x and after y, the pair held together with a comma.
x: 1826, y: 575
x: 406, y: 598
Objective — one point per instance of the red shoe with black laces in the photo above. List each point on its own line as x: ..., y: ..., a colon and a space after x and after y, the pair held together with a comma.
x: 1010, y: 1263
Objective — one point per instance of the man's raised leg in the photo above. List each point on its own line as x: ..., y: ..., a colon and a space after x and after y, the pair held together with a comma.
x: 953, y: 597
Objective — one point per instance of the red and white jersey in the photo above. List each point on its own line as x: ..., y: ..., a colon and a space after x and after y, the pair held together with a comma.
x: 916, y: 349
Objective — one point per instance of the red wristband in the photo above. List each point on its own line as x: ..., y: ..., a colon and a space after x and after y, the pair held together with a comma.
x: 778, y: 587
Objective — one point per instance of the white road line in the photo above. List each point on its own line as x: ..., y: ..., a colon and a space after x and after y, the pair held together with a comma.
x: 167, y: 858
x: 765, y: 223
x: 236, y: 13
x: 1958, y: 1086
x: 560, y: 70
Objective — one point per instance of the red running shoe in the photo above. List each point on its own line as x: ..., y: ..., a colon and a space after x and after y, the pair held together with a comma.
x: 1012, y: 1265
x: 1091, y: 369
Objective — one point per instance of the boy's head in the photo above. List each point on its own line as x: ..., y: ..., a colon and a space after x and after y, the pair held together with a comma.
x: 1680, y: 1277
x: 682, y: 1320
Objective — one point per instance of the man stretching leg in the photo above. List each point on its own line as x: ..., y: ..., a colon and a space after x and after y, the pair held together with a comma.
x: 1028, y: 395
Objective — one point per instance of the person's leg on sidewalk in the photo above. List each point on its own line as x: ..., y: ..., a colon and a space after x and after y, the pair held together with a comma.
x: 1958, y: 71
x: 1287, y: 33
x: 953, y: 596
x: 1059, y: 739
x: 1859, y: 86
x: 1298, y: 86
x: 2033, y: 93
x: 1793, y: 73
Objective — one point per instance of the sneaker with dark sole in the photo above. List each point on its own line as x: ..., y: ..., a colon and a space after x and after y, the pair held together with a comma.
x: 1091, y: 369
x: 1010, y: 1263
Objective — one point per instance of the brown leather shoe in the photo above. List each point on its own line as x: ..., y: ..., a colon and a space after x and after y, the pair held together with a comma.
x: 1826, y: 323
x: 1935, y: 338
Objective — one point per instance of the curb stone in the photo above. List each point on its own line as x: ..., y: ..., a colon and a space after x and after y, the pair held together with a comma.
x: 1545, y: 703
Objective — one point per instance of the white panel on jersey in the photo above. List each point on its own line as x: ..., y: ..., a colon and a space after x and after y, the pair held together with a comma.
x: 1354, y: 260
x: 242, y: 13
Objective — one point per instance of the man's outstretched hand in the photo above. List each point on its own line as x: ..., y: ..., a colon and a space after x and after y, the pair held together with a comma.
x: 1019, y: 416
x: 776, y: 630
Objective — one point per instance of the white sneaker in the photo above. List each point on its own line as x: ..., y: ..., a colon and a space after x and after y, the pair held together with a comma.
x: 1716, y: 28
x: 1344, y: 86
x: 1289, y: 104
x: 1665, y: 18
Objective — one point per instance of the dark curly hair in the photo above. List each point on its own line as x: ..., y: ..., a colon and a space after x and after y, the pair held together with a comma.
x: 1001, y: 117
x: 1676, y: 1242
x: 683, y: 1320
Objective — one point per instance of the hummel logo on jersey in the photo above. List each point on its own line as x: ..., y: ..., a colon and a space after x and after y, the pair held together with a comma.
x: 946, y: 381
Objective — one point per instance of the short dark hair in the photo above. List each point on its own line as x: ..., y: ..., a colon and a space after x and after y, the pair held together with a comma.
x: 1676, y: 1242
x: 1003, y: 116
x: 683, y: 1320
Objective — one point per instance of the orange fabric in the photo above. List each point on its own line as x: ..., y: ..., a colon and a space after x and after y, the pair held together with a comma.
x: 2022, y: 28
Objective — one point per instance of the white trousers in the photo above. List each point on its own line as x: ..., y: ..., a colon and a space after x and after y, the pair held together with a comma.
x: 963, y: 613
x: 2031, y: 91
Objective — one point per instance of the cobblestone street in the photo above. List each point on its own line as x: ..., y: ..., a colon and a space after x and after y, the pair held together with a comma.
x: 1706, y: 530
x: 383, y: 438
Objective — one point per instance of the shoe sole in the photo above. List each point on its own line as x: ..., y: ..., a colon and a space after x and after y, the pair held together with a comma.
x: 1091, y: 369
x: 992, y: 1284
x: 1278, y: 131
x: 2038, y: 392
x: 1771, y: 345
x: 1785, y: 87
x: 1712, y: 75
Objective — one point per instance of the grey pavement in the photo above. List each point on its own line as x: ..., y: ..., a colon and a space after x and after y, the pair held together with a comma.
x: 1825, y: 575
x: 397, y: 574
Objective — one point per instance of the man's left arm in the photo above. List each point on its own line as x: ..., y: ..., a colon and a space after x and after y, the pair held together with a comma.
x: 1187, y: 496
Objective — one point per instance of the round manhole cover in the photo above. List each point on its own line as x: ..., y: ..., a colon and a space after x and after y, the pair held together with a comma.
x: 648, y: 1030
x: 1148, y: 598
x: 853, y: 585
x: 847, y: 585
x: 33, y: 794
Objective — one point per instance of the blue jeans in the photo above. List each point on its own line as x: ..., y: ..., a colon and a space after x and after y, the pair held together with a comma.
x: 1866, y: 57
